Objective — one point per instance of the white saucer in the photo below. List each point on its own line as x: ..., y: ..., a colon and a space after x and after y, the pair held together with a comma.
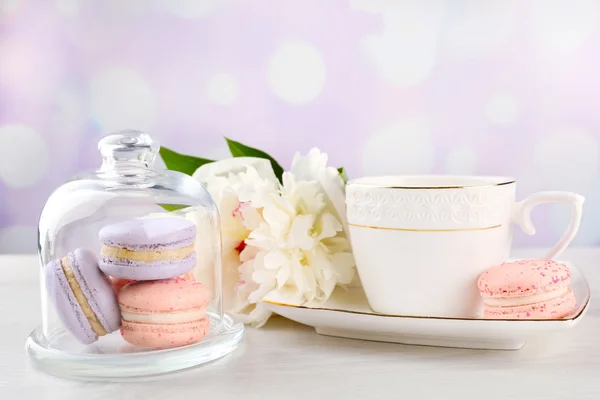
x: 347, y: 314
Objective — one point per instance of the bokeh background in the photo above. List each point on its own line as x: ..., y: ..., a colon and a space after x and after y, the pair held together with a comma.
x: 407, y: 86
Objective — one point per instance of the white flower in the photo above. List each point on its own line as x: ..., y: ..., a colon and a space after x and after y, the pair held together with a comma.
x: 301, y: 244
x: 239, y: 187
x: 275, y: 236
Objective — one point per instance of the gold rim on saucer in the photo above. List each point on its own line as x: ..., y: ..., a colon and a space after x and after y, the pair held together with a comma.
x: 437, y: 318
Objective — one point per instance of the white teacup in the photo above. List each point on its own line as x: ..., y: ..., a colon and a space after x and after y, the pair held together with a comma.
x: 421, y: 242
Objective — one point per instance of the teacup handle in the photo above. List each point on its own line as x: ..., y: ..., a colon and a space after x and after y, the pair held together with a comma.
x: 522, y: 215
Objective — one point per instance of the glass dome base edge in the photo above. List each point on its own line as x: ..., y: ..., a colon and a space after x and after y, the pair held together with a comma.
x: 116, y: 367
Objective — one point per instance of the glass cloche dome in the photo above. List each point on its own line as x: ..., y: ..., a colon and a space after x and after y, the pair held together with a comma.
x: 130, y: 270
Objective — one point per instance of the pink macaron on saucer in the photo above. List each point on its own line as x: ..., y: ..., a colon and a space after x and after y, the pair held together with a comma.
x: 527, y: 289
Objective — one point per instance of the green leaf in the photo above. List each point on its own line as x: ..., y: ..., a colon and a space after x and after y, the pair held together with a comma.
x: 239, y: 150
x: 342, y: 172
x: 181, y: 162
x: 172, y: 207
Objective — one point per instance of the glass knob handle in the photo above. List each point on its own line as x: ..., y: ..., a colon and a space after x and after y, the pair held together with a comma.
x: 129, y: 146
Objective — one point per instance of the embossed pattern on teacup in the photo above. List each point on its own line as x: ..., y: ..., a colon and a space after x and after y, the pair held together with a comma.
x: 446, y: 208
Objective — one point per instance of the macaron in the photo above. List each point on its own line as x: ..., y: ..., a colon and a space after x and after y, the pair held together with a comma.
x: 527, y: 289
x: 164, y: 313
x: 82, y: 296
x: 148, y: 249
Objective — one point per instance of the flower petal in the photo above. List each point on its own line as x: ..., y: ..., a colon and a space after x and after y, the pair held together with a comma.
x: 259, y: 293
x: 248, y: 253
x: 251, y: 217
x: 255, y: 315
x: 336, y: 244
x: 278, y: 220
x: 328, y: 226
x: 282, y: 277
x: 299, y: 278
x: 299, y: 236
x: 234, y: 165
x: 255, y: 189
x: 276, y: 260
x: 344, y: 265
x: 314, y: 167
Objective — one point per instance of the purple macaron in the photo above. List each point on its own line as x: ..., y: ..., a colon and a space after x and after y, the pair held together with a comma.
x: 82, y: 295
x: 148, y: 249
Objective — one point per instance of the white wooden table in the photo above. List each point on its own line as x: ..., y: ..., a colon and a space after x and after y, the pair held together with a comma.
x: 285, y: 360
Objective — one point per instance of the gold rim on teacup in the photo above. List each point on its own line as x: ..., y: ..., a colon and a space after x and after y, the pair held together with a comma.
x: 485, y: 228
x: 487, y: 181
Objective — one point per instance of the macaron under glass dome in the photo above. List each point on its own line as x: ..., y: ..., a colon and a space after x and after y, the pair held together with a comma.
x: 130, y: 271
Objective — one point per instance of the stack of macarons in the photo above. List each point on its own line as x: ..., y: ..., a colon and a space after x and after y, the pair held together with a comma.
x: 527, y: 289
x: 142, y: 284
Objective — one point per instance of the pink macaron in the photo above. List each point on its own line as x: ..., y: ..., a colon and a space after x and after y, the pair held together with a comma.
x: 527, y: 289
x: 164, y: 313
